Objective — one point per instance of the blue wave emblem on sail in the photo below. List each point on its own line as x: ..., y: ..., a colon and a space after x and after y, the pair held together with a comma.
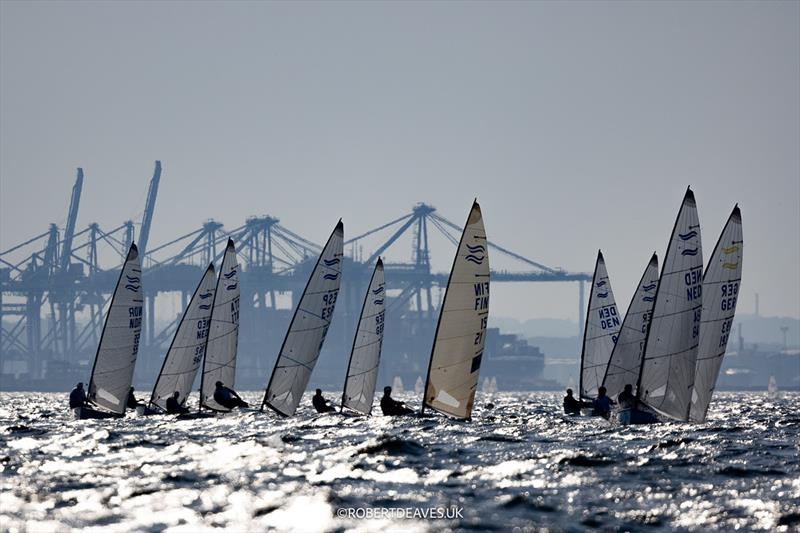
x: 230, y: 274
x: 231, y: 286
x: 206, y: 295
x: 132, y: 279
x: 331, y: 262
x: 478, y: 260
x: 648, y: 288
x: 378, y: 290
x: 600, y: 284
x: 647, y: 298
x: 377, y: 302
x: 478, y: 248
x: 132, y: 288
x: 686, y: 236
x: 331, y: 276
x: 689, y: 251
x: 205, y: 306
x: 602, y: 294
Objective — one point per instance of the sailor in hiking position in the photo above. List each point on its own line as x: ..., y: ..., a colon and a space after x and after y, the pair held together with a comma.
x: 392, y: 407
x: 77, y: 398
x: 227, y: 397
x: 132, y: 402
x: 321, y: 404
x: 572, y: 405
x: 174, y: 406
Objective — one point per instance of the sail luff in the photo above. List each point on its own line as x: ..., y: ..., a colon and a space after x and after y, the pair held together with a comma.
x: 296, y: 372
x: 366, y: 328
x: 457, y: 351
x: 113, y: 396
x: 721, y: 288
x: 180, y: 365
x: 586, y: 326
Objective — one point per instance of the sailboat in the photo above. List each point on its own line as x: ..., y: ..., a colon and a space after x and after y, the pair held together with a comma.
x: 600, y: 333
x: 307, y: 330
x: 666, y: 376
x: 397, y: 385
x: 187, y: 348
x: 454, y: 367
x: 419, y: 385
x: 219, y: 363
x: 112, y: 371
x: 720, y: 291
x: 626, y: 357
x: 362, y: 369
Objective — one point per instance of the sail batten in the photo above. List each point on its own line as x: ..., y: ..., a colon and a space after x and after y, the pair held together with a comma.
x: 186, y: 351
x: 307, y: 331
x: 601, y: 330
x: 112, y: 371
x: 721, y: 283
x: 362, y: 368
x: 668, y: 365
x: 457, y: 352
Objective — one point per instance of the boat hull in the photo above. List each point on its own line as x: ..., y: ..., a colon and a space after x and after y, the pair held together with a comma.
x: 631, y: 417
x: 87, y: 413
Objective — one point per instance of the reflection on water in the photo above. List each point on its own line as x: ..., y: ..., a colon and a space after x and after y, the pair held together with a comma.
x: 519, y: 462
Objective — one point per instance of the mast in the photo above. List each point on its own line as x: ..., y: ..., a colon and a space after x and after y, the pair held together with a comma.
x: 586, y: 323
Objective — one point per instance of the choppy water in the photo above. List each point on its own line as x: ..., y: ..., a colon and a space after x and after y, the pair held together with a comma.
x: 520, y: 463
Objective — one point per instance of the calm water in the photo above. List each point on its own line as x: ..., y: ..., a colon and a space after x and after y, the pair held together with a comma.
x: 520, y: 463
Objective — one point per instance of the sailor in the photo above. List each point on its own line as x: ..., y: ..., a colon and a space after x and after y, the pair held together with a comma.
x: 77, y: 398
x: 392, y: 407
x: 132, y: 402
x: 227, y: 397
x: 174, y: 407
x: 626, y: 399
x: 602, y: 404
x: 572, y: 406
x: 321, y: 404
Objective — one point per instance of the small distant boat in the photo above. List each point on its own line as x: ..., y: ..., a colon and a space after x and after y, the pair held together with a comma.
x: 397, y: 385
x: 721, y: 282
x: 600, y: 332
x: 307, y: 330
x: 626, y: 357
x: 666, y: 376
x: 455, y: 363
x: 362, y: 369
x: 219, y: 363
x: 489, y: 386
x: 493, y: 385
x: 419, y: 385
x: 112, y: 371
x: 772, y: 388
x: 186, y: 351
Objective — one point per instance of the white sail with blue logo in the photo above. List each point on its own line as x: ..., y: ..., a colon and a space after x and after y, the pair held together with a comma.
x: 112, y: 372
x: 600, y: 333
x: 626, y: 358
x: 362, y: 370
x: 455, y: 362
x: 219, y: 363
x: 188, y: 346
x: 667, y: 375
x: 307, y: 331
x: 720, y: 292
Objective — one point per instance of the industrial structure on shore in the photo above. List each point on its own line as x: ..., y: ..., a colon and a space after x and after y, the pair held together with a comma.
x: 55, y: 285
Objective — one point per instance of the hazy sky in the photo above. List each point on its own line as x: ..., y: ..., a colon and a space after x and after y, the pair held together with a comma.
x: 577, y: 125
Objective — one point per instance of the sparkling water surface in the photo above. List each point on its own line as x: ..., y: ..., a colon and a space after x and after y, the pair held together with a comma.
x: 518, y: 463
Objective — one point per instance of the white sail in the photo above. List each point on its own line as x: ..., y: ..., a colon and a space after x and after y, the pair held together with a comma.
x: 720, y: 292
x: 626, y: 358
x: 668, y: 365
x: 600, y: 334
x: 455, y: 363
x: 188, y: 345
x: 419, y: 385
x: 397, y: 386
x: 362, y: 371
x: 219, y: 363
x: 307, y: 331
x: 112, y: 372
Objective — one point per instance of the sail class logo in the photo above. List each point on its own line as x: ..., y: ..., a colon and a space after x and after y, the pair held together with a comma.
x: 648, y: 288
x: 689, y: 251
x: 331, y: 276
x: 730, y: 249
x: 230, y: 274
x: 473, y: 256
x: 602, y: 294
x: 131, y: 285
x: 205, y: 295
x: 378, y: 290
x: 331, y: 262
x: 686, y: 236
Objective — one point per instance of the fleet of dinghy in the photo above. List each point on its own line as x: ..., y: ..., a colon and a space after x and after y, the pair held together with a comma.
x: 670, y: 343
x: 362, y: 369
x: 112, y: 372
x: 455, y: 363
x: 309, y: 326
